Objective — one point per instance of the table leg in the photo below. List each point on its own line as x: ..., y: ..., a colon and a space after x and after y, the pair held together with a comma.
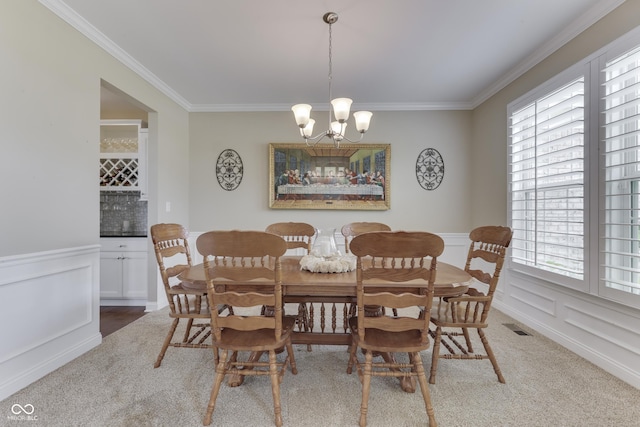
x: 407, y: 384
x: 236, y: 380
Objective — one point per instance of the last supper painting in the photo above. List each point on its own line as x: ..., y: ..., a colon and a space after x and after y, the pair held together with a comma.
x: 354, y: 176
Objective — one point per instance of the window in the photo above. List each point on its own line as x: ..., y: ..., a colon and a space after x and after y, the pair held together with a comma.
x: 574, y: 171
x: 621, y: 252
x: 547, y: 181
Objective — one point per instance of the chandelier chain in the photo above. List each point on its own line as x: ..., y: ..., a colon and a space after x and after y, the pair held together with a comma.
x: 330, y: 72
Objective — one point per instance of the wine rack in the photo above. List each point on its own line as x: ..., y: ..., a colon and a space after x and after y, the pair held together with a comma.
x: 123, y: 156
x: 119, y: 172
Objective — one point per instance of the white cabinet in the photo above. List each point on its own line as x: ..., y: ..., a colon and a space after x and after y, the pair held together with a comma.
x: 123, y: 271
x: 123, y: 156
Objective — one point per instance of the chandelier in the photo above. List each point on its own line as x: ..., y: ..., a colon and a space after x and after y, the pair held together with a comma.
x: 339, y: 108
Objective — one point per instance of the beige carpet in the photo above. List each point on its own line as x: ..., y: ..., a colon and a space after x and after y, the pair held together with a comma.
x: 115, y: 385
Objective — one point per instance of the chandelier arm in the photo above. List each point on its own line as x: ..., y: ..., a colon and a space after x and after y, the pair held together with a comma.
x: 318, y: 137
x: 354, y: 141
x: 313, y: 140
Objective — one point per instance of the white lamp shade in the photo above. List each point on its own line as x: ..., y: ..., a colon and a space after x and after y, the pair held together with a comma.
x: 308, y: 129
x: 341, y: 107
x: 339, y: 130
x: 362, y: 120
x: 302, y: 113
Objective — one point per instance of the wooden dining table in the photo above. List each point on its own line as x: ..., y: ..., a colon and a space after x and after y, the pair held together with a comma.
x: 330, y: 290
x: 335, y: 293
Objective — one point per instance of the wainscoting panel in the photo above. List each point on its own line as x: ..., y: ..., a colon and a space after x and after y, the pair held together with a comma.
x: 603, y: 332
x: 46, y: 292
x: 605, y: 329
x: 50, y: 312
x: 456, y: 247
x: 526, y: 293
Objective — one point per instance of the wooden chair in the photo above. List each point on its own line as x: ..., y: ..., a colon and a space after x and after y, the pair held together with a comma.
x: 351, y: 230
x: 297, y: 235
x: 453, y: 317
x: 393, y: 257
x: 239, y: 257
x: 170, y: 245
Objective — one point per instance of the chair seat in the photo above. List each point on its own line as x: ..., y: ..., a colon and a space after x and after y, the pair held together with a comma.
x: 442, y: 314
x: 257, y: 340
x: 194, y: 312
x: 180, y: 289
x: 386, y: 341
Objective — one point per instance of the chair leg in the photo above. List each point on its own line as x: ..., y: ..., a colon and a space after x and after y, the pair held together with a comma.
x: 187, y: 331
x: 275, y: 387
x: 220, y: 373
x: 166, y: 343
x: 435, y: 355
x: 465, y: 332
x: 424, y: 388
x: 366, y: 385
x: 292, y: 358
x: 216, y: 357
x: 492, y: 357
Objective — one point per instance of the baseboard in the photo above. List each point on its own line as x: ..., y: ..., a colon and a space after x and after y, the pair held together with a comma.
x: 601, y: 360
x: 123, y: 302
x: 154, y: 306
x: 47, y: 366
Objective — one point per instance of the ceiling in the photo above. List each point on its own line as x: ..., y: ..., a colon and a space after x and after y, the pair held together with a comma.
x: 257, y: 55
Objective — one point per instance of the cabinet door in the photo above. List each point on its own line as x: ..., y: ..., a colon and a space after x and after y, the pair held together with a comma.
x: 110, y: 275
x: 134, y: 275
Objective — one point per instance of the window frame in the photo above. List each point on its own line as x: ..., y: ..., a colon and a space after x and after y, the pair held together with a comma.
x: 619, y: 47
x: 594, y: 181
x: 564, y: 78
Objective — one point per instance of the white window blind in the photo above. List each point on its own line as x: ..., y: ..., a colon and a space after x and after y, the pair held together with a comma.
x: 620, y: 226
x: 547, y: 181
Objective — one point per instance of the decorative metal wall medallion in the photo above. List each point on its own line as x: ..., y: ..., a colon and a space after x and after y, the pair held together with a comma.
x: 229, y: 169
x: 429, y: 169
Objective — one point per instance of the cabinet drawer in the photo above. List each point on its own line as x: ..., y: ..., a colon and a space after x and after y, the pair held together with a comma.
x: 112, y: 244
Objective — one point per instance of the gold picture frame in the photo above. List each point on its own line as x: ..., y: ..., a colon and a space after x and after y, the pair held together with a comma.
x: 354, y: 176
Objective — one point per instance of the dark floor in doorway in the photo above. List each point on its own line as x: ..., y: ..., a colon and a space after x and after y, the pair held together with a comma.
x: 114, y: 318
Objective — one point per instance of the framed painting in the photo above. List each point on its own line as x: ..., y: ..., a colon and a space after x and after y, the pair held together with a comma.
x: 354, y: 176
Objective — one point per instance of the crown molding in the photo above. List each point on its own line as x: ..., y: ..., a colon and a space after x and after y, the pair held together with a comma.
x: 64, y: 12
x: 587, y: 19
x: 230, y: 108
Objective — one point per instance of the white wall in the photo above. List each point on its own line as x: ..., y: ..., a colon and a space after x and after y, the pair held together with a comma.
x: 48, y: 123
x: 445, y: 209
x: 49, y: 198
